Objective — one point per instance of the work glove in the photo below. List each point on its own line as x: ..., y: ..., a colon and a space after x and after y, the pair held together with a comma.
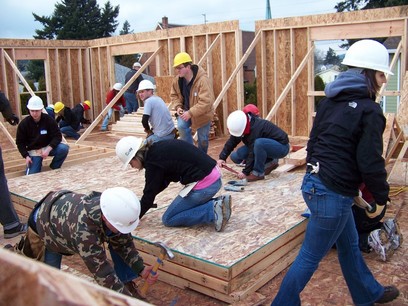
x: 375, y: 211
x: 148, y: 276
x: 13, y: 120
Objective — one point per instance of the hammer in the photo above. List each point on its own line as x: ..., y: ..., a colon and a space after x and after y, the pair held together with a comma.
x: 229, y: 169
x: 164, y: 251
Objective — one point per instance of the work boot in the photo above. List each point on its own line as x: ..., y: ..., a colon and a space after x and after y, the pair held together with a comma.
x: 271, y: 167
x: 390, y: 294
x: 253, y: 178
x: 15, y: 231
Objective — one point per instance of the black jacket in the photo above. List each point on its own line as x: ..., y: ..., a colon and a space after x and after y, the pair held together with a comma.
x: 346, y: 139
x: 33, y: 136
x: 259, y: 128
x: 172, y: 161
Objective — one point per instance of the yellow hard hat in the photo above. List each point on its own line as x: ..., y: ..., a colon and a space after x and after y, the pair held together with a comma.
x: 58, y: 107
x: 87, y: 103
x: 181, y: 58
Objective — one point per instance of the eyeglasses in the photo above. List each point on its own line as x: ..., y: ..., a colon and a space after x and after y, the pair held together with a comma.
x: 180, y: 67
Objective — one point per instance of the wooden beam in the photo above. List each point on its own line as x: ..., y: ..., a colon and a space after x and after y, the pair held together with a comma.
x: 290, y: 84
x: 18, y: 73
x: 116, y: 98
x: 237, y: 68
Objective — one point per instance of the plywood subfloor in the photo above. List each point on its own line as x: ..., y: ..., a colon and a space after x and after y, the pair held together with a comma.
x: 327, y: 285
x: 256, y: 221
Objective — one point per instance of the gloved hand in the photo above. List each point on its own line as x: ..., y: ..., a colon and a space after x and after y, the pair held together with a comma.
x: 375, y: 210
x: 13, y: 120
x: 148, y: 276
x: 87, y: 121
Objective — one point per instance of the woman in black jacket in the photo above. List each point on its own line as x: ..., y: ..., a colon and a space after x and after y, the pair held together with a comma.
x: 344, y: 150
x: 178, y: 161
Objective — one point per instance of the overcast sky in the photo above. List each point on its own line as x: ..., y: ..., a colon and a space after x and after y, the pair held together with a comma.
x: 17, y: 20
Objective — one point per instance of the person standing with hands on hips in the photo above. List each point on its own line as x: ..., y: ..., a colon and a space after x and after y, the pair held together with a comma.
x: 192, y: 97
x: 345, y: 149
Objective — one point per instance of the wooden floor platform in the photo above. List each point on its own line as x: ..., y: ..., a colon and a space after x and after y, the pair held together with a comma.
x: 259, y: 241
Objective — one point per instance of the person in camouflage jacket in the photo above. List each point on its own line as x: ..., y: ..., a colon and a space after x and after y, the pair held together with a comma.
x: 70, y: 223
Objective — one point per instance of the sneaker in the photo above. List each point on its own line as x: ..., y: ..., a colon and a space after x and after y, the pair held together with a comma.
x: 219, y: 219
x: 271, y: 167
x: 15, y: 231
x: 226, y: 201
x: 390, y: 294
x: 253, y: 178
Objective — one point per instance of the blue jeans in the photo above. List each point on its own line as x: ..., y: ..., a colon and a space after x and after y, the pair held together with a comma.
x: 185, y: 132
x: 266, y: 150
x: 331, y: 222
x: 109, y: 115
x: 122, y: 270
x: 69, y: 131
x: 197, y: 207
x: 154, y: 138
x: 132, y: 104
x: 59, y: 153
x: 8, y: 215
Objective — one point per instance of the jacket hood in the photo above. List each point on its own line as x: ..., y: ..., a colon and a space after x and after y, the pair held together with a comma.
x: 351, y: 84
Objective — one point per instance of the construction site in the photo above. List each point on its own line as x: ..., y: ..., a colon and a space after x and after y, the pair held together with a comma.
x: 244, y: 264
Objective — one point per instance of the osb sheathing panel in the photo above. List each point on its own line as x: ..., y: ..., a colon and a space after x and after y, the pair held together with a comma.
x: 209, y: 28
x: 53, y: 81
x: 335, y: 18
x: 301, y: 107
x: 230, y: 64
x: 96, y: 80
x: 75, y: 75
x: 256, y: 219
x: 64, y: 66
x: 163, y: 87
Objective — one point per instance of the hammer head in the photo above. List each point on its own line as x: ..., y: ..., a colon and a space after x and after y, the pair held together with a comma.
x: 164, y: 249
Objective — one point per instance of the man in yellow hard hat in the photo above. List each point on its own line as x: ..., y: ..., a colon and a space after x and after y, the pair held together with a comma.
x: 192, y: 97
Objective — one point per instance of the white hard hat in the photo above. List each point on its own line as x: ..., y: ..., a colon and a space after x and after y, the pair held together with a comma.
x: 35, y: 103
x: 136, y: 64
x: 236, y: 123
x: 369, y: 54
x: 117, y: 86
x: 121, y: 208
x: 145, y: 84
x: 127, y: 147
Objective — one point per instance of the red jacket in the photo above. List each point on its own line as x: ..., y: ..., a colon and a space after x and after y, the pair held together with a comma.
x: 121, y: 101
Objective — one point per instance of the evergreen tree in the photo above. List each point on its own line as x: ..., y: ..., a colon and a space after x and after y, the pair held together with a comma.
x: 78, y: 19
x: 354, y: 5
x: 126, y: 28
x: 331, y: 58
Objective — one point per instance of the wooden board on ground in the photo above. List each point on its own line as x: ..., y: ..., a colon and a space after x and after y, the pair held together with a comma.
x: 264, y: 229
x: 14, y: 164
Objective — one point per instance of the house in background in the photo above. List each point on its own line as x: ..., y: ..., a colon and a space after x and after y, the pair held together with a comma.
x: 390, y: 104
x: 328, y: 73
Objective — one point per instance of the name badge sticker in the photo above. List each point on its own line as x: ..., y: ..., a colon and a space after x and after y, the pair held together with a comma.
x: 43, y: 132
